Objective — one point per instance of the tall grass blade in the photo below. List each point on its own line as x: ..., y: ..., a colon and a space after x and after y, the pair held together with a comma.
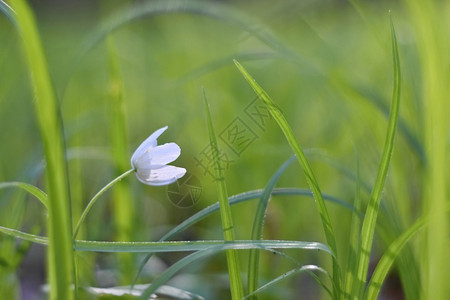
x: 430, y: 21
x: 258, y: 223
x: 122, y: 201
x: 370, y: 219
x: 354, y: 238
x: 234, y: 272
x: 60, y: 252
x: 310, y: 177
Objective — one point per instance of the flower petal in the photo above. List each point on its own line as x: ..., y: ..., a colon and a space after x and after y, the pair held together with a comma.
x: 150, y: 142
x: 164, y: 154
x: 161, y: 176
x: 158, y: 156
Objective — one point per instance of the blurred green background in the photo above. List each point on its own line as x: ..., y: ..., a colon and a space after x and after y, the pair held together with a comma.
x: 327, y: 64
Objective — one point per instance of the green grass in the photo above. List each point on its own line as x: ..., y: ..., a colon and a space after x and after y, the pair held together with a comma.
x: 363, y: 214
x: 60, y: 258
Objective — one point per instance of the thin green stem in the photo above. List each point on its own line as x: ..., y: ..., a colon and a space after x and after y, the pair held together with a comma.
x: 91, y: 203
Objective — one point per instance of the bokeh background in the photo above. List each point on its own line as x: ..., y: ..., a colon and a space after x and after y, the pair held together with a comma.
x: 327, y: 64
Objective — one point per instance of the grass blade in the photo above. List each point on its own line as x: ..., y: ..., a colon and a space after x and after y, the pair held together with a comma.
x: 24, y: 236
x: 388, y: 259
x: 310, y: 177
x: 35, y: 191
x: 258, y: 223
x: 431, y: 31
x: 60, y: 251
x: 368, y: 227
x: 354, y: 239
x: 8, y: 11
x: 308, y: 268
x: 124, y: 214
x: 250, y: 195
x: 393, y: 252
x: 225, y: 212
x: 172, y: 246
x: 164, y: 291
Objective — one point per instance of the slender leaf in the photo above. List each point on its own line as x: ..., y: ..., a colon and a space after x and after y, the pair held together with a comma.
x: 310, y: 177
x: 225, y: 211
x: 388, y: 259
x: 250, y: 195
x: 258, y: 223
x: 368, y: 227
x: 8, y: 11
x: 163, y: 291
x: 60, y: 256
x: 354, y: 239
x: 124, y: 213
x: 173, y: 246
x: 35, y: 191
x: 308, y: 268
x: 24, y: 236
x: 430, y: 22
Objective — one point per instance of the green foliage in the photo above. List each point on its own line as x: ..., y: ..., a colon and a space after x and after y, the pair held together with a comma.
x: 370, y: 193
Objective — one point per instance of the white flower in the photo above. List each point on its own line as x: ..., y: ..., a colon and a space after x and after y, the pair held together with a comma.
x: 150, y: 161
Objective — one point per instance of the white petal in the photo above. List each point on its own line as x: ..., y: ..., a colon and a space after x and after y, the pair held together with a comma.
x: 158, y: 156
x: 161, y: 176
x: 164, y: 154
x: 150, y: 142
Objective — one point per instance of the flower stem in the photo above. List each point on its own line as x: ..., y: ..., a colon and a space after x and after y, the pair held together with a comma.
x: 91, y: 203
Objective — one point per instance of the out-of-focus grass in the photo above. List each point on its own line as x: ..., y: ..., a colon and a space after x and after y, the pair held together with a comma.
x: 341, y: 72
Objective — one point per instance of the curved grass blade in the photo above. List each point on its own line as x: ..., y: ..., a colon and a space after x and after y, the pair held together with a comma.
x: 170, y: 272
x: 183, y: 246
x: 164, y: 291
x: 392, y: 253
x: 276, y: 113
x: 388, y: 259
x: 214, y: 10
x: 373, y: 97
x: 308, y: 268
x: 173, y: 246
x: 234, y: 271
x: 35, y: 191
x: 368, y: 227
x: 258, y: 223
x: 24, y: 236
x: 250, y: 195
x: 8, y: 12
